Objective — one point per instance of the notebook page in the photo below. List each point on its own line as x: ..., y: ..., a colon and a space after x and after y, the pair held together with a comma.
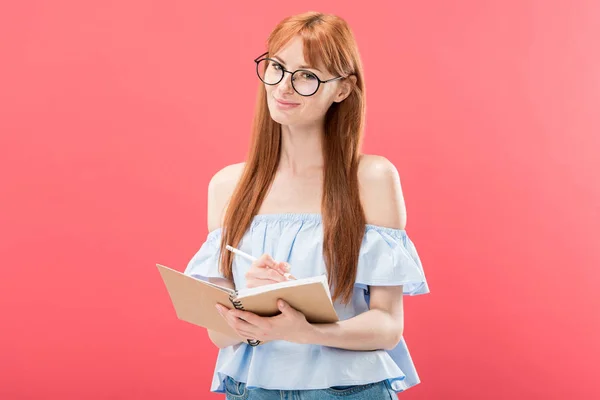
x: 225, y: 289
x: 230, y: 291
x: 246, y: 292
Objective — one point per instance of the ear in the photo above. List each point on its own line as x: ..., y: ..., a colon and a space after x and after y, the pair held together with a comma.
x: 345, y: 88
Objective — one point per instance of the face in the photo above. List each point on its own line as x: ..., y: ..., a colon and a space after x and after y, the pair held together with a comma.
x: 286, y: 106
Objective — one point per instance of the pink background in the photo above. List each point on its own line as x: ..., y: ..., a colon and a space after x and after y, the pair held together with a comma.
x: 115, y: 114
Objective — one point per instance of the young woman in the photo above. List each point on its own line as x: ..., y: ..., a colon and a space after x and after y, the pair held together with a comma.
x: 308, y: 202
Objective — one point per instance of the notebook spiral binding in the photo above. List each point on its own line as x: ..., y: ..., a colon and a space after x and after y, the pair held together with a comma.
x: 239, y: 306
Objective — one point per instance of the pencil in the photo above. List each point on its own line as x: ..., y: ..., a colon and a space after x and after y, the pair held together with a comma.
x: 249, y: 257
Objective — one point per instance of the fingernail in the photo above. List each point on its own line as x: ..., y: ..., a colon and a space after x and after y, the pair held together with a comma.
x: 283, y: 268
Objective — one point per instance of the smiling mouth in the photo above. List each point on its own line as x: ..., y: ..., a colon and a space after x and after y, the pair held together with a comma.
x: 286, y: 103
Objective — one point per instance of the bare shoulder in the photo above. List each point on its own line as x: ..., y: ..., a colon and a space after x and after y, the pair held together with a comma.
x: 220, y: 189
x: 381, y: 192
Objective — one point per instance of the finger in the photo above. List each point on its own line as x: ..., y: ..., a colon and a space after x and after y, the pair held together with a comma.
x: 285, y: 308
x: 230, y: 319
x: 256, y: 282
x: 247, y: 335
x: 245, y: 329
x: 238, y: 324
x: 284, y: 269
x: 281, y: 305
x: 265, y: 274
x: 249, y: 319
x: 265, y: 261
x: 273, y: 275
x: 227, y: 313
x: 287, y: 276
x: 222, y: 310
x: 261, y: 273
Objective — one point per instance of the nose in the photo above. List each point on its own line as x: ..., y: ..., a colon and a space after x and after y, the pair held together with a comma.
x: 285, y: 86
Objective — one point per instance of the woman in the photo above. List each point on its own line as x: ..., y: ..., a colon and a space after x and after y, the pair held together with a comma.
x: 309, y: 199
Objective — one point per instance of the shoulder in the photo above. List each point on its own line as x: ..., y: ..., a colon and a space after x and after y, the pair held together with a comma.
x: 381, y: 192
x: 220, y: 189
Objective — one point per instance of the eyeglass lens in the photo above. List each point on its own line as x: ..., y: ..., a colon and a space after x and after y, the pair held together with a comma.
x: 304, y: 82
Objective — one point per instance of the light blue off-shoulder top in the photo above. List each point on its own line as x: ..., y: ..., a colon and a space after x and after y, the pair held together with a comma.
x: 387, y: 257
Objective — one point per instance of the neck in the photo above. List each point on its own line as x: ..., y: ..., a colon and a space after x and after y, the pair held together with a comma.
x: 301, y: 148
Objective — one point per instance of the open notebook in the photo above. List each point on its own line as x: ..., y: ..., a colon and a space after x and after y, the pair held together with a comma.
x: 194, y: 299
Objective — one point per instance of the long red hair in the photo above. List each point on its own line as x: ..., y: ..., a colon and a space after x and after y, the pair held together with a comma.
x: 327, y: 38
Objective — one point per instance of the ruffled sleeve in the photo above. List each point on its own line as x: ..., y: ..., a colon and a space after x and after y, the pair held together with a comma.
x: 205, y: 263
x: 389, y: 258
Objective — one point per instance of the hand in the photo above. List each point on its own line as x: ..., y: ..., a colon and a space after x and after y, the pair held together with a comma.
x: 266, y: 271
x: 290, y: 325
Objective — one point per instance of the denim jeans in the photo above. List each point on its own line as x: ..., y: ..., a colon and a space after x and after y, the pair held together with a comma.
x: 371, y: 391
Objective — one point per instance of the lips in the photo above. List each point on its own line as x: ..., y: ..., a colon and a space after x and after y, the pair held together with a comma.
x: 286, y: 103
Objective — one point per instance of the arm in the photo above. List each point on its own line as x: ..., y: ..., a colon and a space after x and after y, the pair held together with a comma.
x: 382, y: 326
x: 379, y: 328
x: 222, y: 341
x: 219, y: 339
x: 220, y: 188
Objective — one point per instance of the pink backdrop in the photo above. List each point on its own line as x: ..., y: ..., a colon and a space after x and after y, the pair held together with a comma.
x: 115, y: 114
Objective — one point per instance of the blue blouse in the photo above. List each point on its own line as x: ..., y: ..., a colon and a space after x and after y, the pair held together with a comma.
x: 387, y: 257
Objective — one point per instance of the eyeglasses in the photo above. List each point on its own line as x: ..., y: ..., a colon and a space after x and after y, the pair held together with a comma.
x: 304, y: 82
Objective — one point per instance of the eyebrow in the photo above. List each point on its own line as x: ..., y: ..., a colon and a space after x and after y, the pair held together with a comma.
x: 301, y: 66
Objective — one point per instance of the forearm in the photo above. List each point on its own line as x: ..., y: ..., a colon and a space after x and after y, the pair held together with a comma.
x: 371, y: 330
x: 219, y: 339
x: 222, y: 340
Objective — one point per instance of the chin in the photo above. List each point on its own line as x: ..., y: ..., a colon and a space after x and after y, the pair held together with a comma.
x: 283, y: 120
x: 280, y: 117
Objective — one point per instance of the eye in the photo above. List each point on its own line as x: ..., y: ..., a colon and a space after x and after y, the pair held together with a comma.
x: 309, y: 76
x: 276, y: 66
